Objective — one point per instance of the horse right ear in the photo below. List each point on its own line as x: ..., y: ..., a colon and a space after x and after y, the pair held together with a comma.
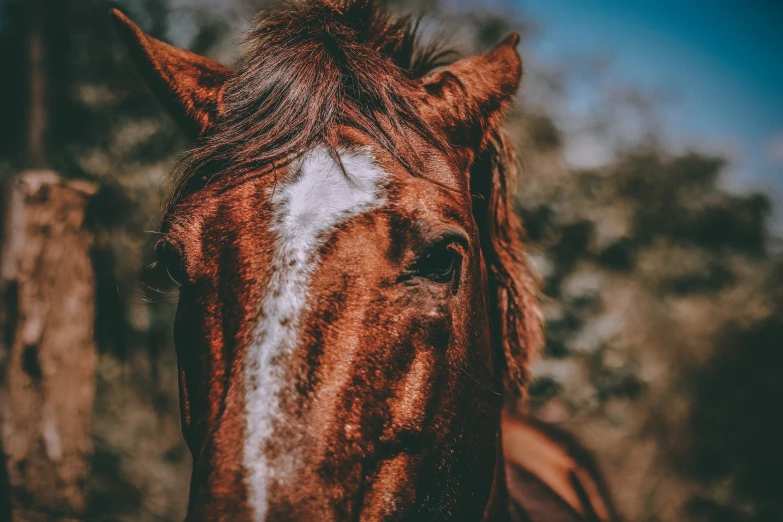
x: 189, y: 86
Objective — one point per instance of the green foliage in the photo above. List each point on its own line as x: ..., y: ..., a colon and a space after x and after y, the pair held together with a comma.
x: 663, y: 305
x: 735, y: 430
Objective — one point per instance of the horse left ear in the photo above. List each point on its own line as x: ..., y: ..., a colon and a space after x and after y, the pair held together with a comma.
x: 467, y: 99
x: 189, y: 86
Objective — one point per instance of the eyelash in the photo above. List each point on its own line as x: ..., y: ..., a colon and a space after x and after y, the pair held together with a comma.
x: 440, y: 265
x: 170, y: 259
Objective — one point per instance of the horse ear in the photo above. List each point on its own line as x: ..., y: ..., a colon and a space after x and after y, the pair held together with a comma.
x: 189, y: 86
x: 467, y: 98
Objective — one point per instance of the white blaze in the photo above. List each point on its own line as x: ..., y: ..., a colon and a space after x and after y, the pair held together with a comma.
x: 306, y: 210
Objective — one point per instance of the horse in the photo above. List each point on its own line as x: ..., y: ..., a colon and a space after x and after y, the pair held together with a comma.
x: 355, y: 307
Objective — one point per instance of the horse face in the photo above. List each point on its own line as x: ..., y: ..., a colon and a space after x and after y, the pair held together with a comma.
x: 333, y: 340
x: 333, y: 333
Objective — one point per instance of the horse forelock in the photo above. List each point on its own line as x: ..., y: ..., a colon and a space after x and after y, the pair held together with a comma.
x: 310, y: 67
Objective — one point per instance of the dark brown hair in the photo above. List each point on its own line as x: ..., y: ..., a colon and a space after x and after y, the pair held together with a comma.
x: 513, y: 290
x: 313, y: 65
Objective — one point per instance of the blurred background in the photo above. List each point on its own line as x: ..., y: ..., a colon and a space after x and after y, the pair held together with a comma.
x: 651, y: 135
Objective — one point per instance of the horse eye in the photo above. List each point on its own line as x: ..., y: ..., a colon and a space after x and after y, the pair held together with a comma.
x: 171, y: 260
x: 438, y: 266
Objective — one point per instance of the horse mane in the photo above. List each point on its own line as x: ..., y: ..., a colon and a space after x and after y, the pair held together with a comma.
x: 513, y: 289
x: 314, y: 64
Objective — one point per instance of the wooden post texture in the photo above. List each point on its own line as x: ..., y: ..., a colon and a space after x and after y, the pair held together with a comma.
x: 47, y: 351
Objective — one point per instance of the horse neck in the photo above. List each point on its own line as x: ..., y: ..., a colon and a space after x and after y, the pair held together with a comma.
x: 497, y: 509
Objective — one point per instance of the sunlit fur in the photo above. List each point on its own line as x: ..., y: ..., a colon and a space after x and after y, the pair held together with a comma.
x: 306, y: 211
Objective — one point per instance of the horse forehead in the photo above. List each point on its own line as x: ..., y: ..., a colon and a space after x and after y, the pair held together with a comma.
x: 324, y: 190
x: 326, y: 187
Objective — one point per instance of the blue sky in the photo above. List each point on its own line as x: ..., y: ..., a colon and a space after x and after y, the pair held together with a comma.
x: 723, y: 60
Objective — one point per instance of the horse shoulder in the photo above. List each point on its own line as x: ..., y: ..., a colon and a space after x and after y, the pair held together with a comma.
x: 551, y: 477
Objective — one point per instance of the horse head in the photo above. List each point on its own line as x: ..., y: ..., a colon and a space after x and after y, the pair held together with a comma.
x: 354, y: 302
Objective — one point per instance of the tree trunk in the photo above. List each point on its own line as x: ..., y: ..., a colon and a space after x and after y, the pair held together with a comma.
x: 37, y: 106
x: 47, y: 351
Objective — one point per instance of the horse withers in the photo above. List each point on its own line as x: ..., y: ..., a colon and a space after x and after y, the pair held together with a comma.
x: 354, y: 301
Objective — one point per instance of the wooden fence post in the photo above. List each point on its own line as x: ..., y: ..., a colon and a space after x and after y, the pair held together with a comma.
x: 47, y: 350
